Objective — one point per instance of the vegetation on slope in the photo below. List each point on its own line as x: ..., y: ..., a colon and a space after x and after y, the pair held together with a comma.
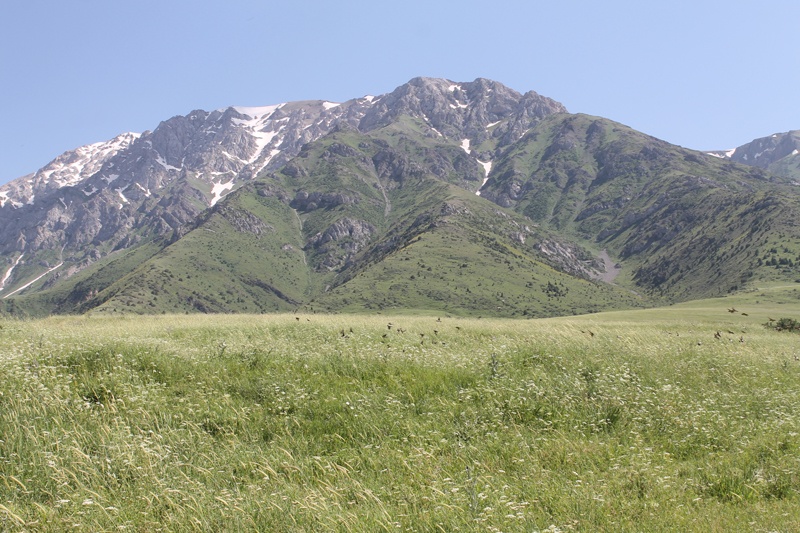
x: 358, y: 222
x: 389, y: 220
x: 685, y: 224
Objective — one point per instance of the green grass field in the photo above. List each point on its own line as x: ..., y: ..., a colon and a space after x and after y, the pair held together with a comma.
x: 675, y: 419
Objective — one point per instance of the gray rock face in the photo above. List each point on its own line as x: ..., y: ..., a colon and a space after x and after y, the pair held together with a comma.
x: 107, y: 196
x: 340, y: 242
x: 244, y: 221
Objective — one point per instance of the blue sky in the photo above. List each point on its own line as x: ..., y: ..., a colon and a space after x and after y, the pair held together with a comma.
x: 701, y: 74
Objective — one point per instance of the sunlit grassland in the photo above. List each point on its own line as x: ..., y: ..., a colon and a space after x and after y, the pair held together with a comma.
x: 677, y: 419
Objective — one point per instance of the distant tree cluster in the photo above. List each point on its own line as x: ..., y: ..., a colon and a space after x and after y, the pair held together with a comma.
x: 784, y: 324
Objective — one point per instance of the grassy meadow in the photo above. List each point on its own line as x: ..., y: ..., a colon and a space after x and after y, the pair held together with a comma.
x: 674, y: 419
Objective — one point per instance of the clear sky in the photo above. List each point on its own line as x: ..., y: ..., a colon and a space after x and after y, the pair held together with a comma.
x: 705, y: 74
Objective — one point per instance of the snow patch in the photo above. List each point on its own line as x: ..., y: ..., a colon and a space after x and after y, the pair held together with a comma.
x: 89, y: 193
x: 109, y: 179
x: 5, y: 199
x: 795, y: 152
x: 255, y: 113
x: 161, y: 161
x: 263, y: 139
x: 266, y: 162
x: 260, y: 120
x: 120, y: 191
x: 218, y: 191
x: 487, y: 167
x: 428, y: 121
x: 492, y: 124
x: 71, y: 168
x: 465, y: 145
x: 330, y: 105
x: 233, y: 157
x: 453, y: 88
x: 145, y: 191
x: 369, y: 98
x: 723, y: 154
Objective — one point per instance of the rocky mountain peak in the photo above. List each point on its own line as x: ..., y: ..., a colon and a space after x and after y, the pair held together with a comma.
x: 459, y: 110
x: 68, y: 169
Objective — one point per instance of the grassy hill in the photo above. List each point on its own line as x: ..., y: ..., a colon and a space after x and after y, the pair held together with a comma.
x: 685, y: 224
x: 676, y: 418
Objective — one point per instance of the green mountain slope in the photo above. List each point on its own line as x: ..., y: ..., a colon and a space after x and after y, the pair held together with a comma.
x: 467, y: 257
x: 69, y: 294
x: 389, y: 219
x: 684, y: 224
x: 243, y: 256
x: 360, y: 221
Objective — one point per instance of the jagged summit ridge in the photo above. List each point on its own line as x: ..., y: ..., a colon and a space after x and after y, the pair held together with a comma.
x: 463, y: 110
x: 68, y: 169
x: 234, y: 144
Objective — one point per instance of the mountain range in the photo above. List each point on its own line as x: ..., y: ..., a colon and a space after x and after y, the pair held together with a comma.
x: 442, y: 197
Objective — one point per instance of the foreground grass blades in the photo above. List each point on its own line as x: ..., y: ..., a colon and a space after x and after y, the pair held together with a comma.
x: 616, y: 422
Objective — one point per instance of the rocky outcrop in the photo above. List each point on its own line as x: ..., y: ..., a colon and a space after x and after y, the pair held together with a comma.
x: 337, y: 245
x: 309, y: 201
x: 570, y: 258
x: 391, y: 165
x: 244, y: 221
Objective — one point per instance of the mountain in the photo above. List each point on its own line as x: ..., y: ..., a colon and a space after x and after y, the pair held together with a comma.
x: 684, y: 223
x: 779, y: 154
x: 463, y: 198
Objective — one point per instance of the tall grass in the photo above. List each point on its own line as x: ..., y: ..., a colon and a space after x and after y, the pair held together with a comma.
x: 333, y: 423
